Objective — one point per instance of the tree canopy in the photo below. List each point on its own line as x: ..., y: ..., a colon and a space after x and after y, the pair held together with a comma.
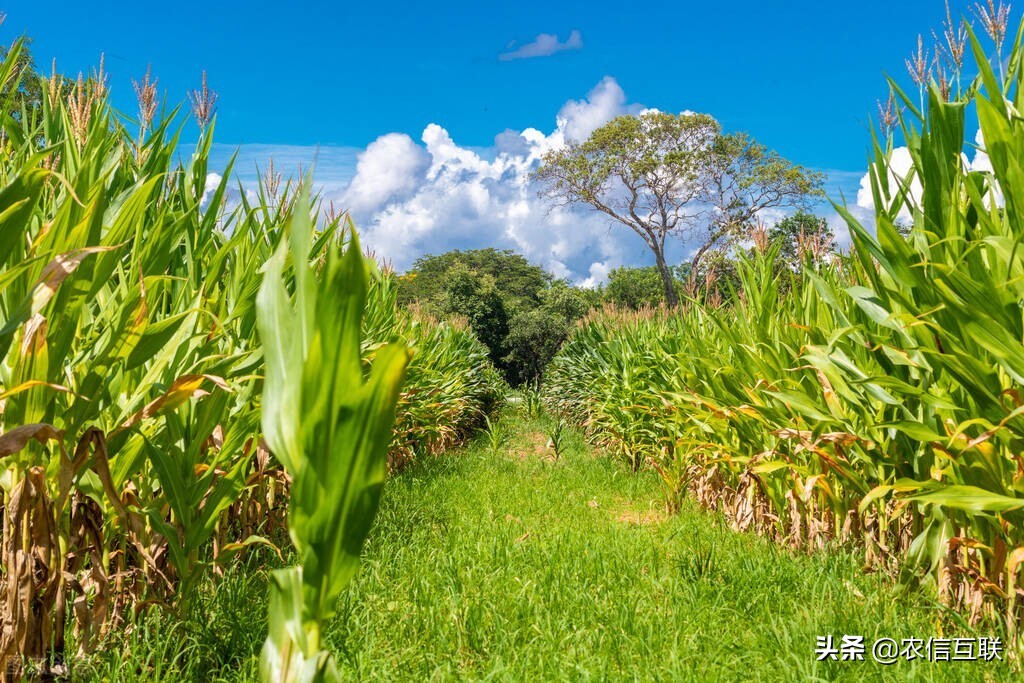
x: 477, y: 299
x: 634, y: 287
x: 517, y: 309
x: 535, y: 335
x: 21, y: 91
x: 662, y: 174
x: 802, y: 235
x: 518, y: 280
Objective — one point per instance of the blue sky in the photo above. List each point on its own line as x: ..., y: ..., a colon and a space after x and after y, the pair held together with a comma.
x: 801, y: 77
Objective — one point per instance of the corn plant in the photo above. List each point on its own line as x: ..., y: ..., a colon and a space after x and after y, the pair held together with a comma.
x: 494, y: 434
x: 112, y: 345
x: 533, y: 403
x: 876, y: 399
x: 329, y: 426
x: 132, y: 466
x: 557, y: 434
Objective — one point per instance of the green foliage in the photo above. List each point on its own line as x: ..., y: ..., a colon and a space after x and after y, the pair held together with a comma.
x: 634, y: 288
x: 519, y: 312
x: 518, y: 281
x: 533, y: 341
x: 510, y: 567
x: 665, y: 175
x: 131, y: 371
x: 494, y: 435
x: 802, y: 236
x: 714, y: 279
x: 535, y: 335
x: 699, y: 565
x: 875, y: 400
x: 566, y: 302
x: 533, y: 403
x: 478, y: 301
x: 451, y: 387
x: 558, y: 435
x: 22, y: 92
x: 329, y: 427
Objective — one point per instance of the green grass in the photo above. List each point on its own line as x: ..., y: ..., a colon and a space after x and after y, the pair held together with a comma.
x: 514, y: 566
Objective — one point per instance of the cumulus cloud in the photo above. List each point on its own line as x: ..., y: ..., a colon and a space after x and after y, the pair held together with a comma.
x: 544, y: 45
x: 900, y: 164
x: 578, y: 119
x: 413, y: 197
x: 389, y: 169
x: 212, y: 183
x: 440, y: 195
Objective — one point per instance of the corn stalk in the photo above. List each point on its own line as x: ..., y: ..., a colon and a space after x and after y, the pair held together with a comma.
x: 329, y: 427
x: 876, y: 399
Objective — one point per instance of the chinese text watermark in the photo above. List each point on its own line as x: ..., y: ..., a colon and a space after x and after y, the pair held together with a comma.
x: 854, y: 648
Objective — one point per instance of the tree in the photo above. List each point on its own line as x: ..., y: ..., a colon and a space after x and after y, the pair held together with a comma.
x: 569, y: 303
x: 477, y: 299
x: 518, y: 310
x: 634, y: 287
x: 744, y: 178
x: 533, y: 340
x: 802, y: 235
x: 518, y: 281
x: 22, y: 92
x: 661, y: 174
x: 536, y: 335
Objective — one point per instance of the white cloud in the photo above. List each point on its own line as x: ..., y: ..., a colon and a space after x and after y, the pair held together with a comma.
x: 411, y: 198
x: 544, y: 45
x: 579, y: 118
x: 389, y: 169
x: 212, y: 183
x: 464, y: 198
x: 900, y: 163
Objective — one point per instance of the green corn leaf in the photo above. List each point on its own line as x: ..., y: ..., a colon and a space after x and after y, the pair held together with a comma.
x: 329, y: 426
x: 970, y: 499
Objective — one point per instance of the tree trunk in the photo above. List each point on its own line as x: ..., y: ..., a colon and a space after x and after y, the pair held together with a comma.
x: 671, y: 298
x: 691, y: 283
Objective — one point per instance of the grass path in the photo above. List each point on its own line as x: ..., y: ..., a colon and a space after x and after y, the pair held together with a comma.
x: 509, y: 565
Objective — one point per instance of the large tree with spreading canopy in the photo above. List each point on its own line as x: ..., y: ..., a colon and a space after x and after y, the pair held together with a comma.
x: 662, y: 174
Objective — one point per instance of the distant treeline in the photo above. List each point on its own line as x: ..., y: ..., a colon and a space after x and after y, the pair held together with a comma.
x: 523, y: 314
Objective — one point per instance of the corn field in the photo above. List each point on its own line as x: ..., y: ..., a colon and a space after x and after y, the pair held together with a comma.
x: 132, y: 462
x: 877, y: 399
